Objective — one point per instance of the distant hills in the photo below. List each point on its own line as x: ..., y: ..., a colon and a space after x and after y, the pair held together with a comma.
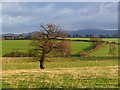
x: 83, y: 32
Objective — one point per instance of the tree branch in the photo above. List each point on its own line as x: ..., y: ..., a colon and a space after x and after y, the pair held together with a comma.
x: 49, y: 50
x: 45, y: 29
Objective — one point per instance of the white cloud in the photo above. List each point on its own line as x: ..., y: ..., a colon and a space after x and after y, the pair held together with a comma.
x: 28, y: 16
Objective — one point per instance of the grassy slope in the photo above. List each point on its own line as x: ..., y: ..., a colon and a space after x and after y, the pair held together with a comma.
x: 78, y: 47
x: 104, y: 51
x: 63, y: 73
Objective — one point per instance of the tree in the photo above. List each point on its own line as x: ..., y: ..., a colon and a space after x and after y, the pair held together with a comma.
x: 69, y: 35
x: 63, y: 49
x: 101, y: 36
x: 95, y: 41
x: 112, y: 48
x: 48, y: 39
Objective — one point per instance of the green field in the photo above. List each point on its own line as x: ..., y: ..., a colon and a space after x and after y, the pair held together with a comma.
x: 12, y: 45
x: 104, y: 39
x: 23, y: 46
x: 104, y: 51
x: 111, y: 39
x: 76, y: 47
x: 59, y: 73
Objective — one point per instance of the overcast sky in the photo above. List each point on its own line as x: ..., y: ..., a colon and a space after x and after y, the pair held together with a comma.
x: 26, y: 17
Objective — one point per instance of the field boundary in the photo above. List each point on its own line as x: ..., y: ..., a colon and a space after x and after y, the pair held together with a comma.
x: 90, y: 41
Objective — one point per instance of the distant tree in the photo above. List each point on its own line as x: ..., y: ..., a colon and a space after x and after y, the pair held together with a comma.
x: 86, y: 35
x: 107, y: 36
x: 101, y: 36
x: 69, y: 35
x: 80, y: 35
x: 91, y: 36
x: 95, y: 41
x: 77, y: 35
x: 112, y: 48
x: 46, y: 41
x: 74, y: 35
x: 115, y: 35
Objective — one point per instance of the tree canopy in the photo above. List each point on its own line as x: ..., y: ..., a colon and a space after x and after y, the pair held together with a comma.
x: 50, y: 38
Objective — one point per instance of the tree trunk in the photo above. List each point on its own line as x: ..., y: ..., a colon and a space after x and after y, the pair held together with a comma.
x: 42, y: 62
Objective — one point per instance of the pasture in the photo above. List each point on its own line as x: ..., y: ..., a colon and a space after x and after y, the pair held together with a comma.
x: 23, y: 46
x: 59, y: 73
x: 104, y: 51
x: 11, y: 45
x: 76, y: 47
x: 104, y: 39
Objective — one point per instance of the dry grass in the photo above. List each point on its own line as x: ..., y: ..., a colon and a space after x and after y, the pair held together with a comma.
x: 66, y: 77
x: 75, y: 70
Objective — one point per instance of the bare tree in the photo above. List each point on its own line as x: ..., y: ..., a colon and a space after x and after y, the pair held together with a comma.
x: 46, y: 40
x: 95, y: 41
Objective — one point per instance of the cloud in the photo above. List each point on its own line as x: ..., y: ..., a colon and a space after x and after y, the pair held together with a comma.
x: 19, y: 17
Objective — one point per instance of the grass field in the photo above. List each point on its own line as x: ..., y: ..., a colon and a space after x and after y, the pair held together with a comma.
x: 11, y: 45
x: 23, y: 46
x: 104, y: 51
x: 76, y: 47
x: 111, y: 39
x: 59, y: 73
x: 68, y: 72
x: 104, y: 39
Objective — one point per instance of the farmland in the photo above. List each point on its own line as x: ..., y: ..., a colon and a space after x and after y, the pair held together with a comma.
x: 76, y: 47
x: 60, y: 72
x: 10, y: 45
x: 104, y: 39
x: 104, y: 51
x: 23, y: 46
x: 67, y: 45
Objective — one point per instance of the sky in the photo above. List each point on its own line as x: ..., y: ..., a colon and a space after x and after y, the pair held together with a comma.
x: 19, y: 17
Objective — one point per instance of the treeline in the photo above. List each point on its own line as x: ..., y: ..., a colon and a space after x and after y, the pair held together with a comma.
x: 89, y: 36
x: 11, y: 36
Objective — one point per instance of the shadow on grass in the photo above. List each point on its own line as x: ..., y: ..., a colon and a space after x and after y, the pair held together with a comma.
x: 88, y: 48
x: 104, y: 57
x: 78, y: 53
x: 95, y: 58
